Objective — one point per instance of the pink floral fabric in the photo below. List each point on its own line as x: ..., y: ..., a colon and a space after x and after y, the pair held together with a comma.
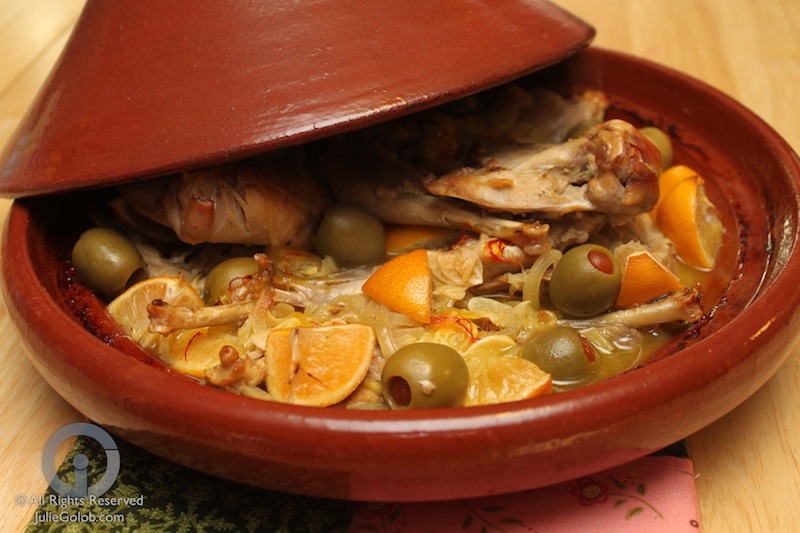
x: 653, y: 494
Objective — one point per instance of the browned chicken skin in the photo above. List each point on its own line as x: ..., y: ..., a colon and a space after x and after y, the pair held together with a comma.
x: 610, y: 169
x: 269, y: 201
x: 502, y: 169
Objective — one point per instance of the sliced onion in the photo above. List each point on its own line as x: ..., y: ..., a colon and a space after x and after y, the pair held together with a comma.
x: 534, y: 276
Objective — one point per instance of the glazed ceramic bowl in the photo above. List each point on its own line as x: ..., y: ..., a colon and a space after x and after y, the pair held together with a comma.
x: 752, y: 325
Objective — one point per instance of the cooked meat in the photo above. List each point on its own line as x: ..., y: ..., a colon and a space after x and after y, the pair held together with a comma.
x: 681, y: 306
x: 510, y: 114
x: 418, y: 170
x: 165, y: 318
x: 276, y: 200
x: 611, y: 169
x: 242, y: 296
x: 266, y: 201
x: 236, y: 370
x: 393, y: 192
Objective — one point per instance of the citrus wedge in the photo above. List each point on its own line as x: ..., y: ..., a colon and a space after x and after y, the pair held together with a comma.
x: 402, y: 238
x: 688, y: 218
x: 403, y: 284
x: 318, y: 366
x: 644, y: 279
x: 497, y: 375
x: 196, y: 350
x: 669, y: 178
x: 189, y: 351
x: 129, y: 310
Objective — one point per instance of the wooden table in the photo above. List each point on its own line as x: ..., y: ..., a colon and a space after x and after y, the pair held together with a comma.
x: 748, y: 463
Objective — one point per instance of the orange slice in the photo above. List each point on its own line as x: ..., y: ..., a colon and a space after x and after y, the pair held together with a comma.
x: 669, y: 178
x: 401, y: 239
x: 688, y: 218
x: 318, y: 366
x: 403, y: 284
x: 498, y: 375
x: 129, y: 310
x: 189, y: 351
x: 644, y: 279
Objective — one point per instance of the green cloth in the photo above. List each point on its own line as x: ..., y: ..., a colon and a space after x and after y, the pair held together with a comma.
x: 159, y: 496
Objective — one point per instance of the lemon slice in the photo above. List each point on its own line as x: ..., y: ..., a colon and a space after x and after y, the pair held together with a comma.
x: 497, y: 374
x: 189, y: 351
x: 129, y: 309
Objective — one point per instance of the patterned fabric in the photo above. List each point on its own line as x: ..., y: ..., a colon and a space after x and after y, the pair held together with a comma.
x: 166, y: 497
x: 656, y: 493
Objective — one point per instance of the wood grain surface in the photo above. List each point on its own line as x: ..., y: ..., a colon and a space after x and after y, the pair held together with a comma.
x: 747, y: 463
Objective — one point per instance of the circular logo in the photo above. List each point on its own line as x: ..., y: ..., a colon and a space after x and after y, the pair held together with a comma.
x: 80, y: 488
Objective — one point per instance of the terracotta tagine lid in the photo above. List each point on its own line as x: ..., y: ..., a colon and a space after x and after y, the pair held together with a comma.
x: 142, y: 90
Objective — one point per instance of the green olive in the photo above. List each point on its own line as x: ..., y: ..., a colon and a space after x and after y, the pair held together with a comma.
x: 660, y: 140
x: 350, y: 235
x: 562, y: 353
x: 424, y: 375
x: 219, y: 279
x: 586, y: 281
x: 107, y: 261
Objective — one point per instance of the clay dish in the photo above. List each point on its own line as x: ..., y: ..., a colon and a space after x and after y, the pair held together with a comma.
x: 140, y: 92
x: 753, y: 177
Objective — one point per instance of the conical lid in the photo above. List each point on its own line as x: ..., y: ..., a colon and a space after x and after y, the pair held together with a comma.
x: 149, y: 87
